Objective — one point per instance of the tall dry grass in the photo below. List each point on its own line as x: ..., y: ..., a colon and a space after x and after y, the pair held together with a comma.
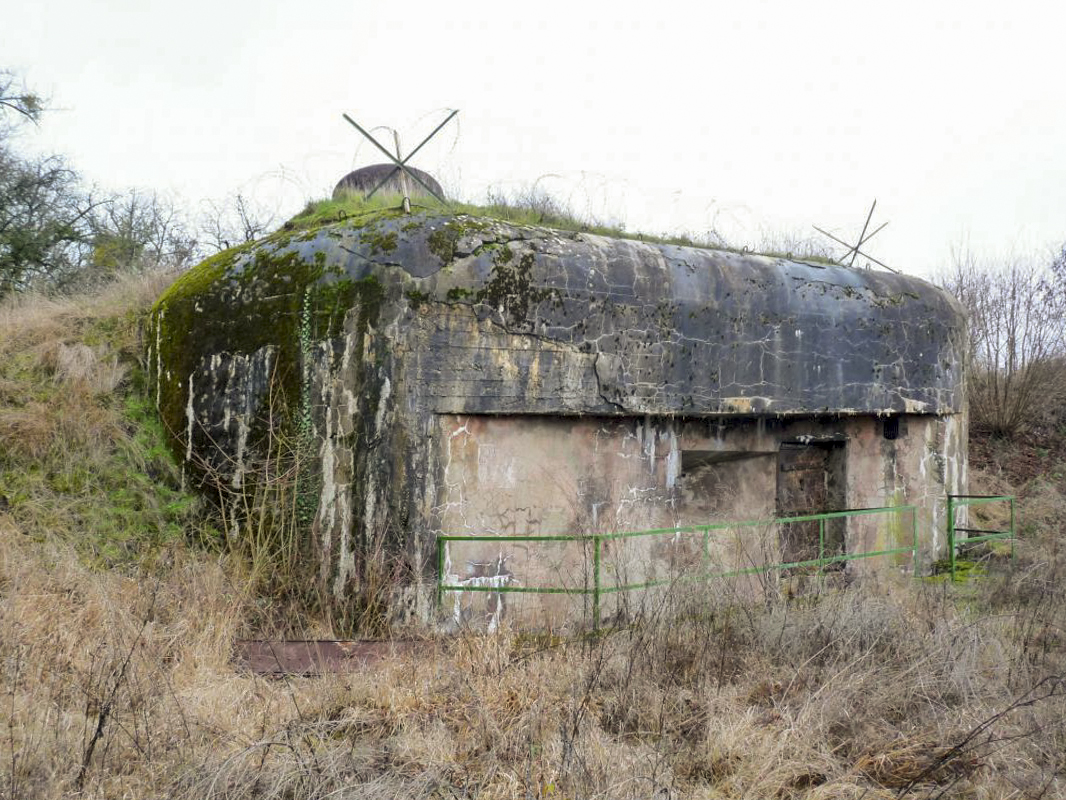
x: 61, y: 360
x: 116, y: 678
x: 122, y: 685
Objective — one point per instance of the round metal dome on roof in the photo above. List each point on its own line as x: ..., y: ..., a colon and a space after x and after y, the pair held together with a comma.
x: 365, y: 179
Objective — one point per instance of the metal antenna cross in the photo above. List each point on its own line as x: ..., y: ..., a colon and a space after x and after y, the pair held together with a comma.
x: 853, y: 249
x: 401, y: 162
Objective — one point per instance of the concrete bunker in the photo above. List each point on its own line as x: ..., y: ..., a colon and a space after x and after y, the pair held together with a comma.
x: 456, y: 375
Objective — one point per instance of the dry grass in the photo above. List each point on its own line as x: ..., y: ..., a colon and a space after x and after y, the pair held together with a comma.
x: 46, y: 319
x: 873, y: 693
x: 116, y: 679
x: 60, y: 362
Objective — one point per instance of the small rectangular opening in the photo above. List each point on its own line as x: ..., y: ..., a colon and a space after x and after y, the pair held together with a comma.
x: 891, y: 428
x: 725, y: 485
x: 693, y: 460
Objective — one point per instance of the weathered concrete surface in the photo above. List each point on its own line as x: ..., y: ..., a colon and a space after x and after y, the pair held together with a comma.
x: 544, y: 476
x: 408, y: 356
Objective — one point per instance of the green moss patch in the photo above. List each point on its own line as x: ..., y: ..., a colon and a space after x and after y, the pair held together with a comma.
x: 245, y: 299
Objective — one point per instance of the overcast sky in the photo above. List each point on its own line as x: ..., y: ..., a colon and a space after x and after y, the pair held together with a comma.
x: 750, y: 118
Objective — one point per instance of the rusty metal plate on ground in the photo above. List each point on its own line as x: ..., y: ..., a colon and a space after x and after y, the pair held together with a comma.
x: 312, y: 657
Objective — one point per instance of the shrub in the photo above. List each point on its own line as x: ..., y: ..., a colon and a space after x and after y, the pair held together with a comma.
x: 1017, y: 358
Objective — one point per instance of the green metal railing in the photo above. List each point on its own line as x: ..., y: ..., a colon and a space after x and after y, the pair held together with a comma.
x: 984, y: 535
x: 596, y: 540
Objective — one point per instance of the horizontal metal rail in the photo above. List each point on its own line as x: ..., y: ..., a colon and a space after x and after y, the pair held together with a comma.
x: 596, y: 541
x: 954, y: 542
x: 578, y: 537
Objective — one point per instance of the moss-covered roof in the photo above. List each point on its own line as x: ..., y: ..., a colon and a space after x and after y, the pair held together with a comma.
x: 358, y: 210
x: 664, y: 329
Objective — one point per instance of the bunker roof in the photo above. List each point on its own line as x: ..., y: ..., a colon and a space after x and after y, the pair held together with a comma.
x: 494, y: 317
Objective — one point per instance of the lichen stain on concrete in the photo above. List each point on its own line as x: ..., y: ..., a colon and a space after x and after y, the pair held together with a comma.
x: 482, y: 378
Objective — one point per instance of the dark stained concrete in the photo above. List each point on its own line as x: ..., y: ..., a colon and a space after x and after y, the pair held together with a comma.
x: 393, y: 339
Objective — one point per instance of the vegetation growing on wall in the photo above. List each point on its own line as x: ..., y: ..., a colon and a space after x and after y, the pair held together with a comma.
x: 284, y: 299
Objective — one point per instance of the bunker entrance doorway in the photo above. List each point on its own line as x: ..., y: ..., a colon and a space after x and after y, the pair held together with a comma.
x: 811, y: 480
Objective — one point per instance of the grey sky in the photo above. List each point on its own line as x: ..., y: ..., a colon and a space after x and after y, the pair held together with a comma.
x: 742, y: 116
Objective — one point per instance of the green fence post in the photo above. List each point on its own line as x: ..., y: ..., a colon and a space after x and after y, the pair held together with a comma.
x: 821, y: 542
x: 440, y: 572
x: 914, y: 542
x: 951, y: 534
x: 1013, y: 536
x: 596, y: 583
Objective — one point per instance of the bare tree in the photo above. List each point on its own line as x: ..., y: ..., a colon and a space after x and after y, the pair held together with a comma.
x: 138, y: 230
x: 43, y: 209
x: 234, y: 221
x: 44, y: 221
x: 1017, y: 339
x: 57, y: 233
x: 14, y: 96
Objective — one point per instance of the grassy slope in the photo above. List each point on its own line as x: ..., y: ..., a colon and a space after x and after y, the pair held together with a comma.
x: 111, y: 609
x: 81, y: 453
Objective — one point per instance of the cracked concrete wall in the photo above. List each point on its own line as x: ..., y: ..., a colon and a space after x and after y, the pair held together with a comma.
x: 545, y: 476
x: 454, y: 374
